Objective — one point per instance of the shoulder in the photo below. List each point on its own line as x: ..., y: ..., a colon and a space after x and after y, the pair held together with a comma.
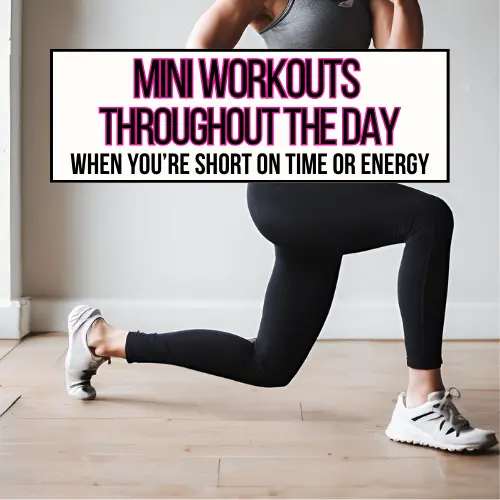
x: 247, y: 5
x: 240, y: 10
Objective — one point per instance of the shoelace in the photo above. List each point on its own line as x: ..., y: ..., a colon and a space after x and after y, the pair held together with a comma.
x: 450, y: 412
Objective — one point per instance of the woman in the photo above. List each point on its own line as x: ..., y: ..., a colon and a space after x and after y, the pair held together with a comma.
x: 340, y: 219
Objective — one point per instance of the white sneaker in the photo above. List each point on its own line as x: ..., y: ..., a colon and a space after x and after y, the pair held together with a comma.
x: 81, y: 364
x: 437, y: 423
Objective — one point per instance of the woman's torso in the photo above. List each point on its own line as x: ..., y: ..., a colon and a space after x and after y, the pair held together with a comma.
x: 310, y: 25
x: 321, y: 25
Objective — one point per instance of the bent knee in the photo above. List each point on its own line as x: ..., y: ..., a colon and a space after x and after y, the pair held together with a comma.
x: 437, y: 214
x: 275, y: 376
x: 276, y: 379
x: 443, y: 213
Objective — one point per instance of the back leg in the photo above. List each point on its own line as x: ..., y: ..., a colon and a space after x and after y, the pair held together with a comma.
x: 297, y: 302
x: 298, y: 299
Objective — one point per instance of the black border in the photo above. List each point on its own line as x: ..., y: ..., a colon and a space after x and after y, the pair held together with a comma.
x: 295, y: 51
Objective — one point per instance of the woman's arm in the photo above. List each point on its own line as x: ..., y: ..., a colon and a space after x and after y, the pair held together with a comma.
x: 397, y: 25
x: 222, y: 25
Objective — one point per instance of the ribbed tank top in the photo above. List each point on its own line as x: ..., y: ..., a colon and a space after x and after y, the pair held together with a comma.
x: 321, y: 24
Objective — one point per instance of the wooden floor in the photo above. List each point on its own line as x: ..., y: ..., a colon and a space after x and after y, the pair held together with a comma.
x: 164, y: 432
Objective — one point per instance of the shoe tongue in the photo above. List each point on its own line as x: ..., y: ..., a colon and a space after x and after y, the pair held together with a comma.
x: 436, y: 396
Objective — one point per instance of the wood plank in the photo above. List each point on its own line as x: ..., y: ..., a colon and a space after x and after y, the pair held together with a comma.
x: 37, y: 354
x: 7, y: 399
x: 77, y: 491
x: 197, y: 438
x: 147, y: 492
x: 471, y: 467
x: 162, y: 492
x: 106, y: 469
x: 6, y: 346
x: 397, y: 478
x: 126, y: 402
x: 314, y: 472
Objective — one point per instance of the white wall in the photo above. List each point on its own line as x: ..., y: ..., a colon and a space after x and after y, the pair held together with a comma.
x: 5, y: 271
x: 174, y: 256
x: 13, y: 309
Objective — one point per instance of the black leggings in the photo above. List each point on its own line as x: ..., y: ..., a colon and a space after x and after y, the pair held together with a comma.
x: 312, y: 225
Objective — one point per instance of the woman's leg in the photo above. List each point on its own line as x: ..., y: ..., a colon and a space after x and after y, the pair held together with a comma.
x: 312, y: 225
x: 393, y: 213
x: 298, y: 298
x: 422, y: 292
x: 342, y: 219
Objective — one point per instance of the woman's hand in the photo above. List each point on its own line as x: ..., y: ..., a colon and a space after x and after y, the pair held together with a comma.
x: 397, y: 25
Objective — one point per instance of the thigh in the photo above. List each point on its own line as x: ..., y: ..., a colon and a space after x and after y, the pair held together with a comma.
x: 374, y: 215
x: 335, y: 217
x: 379, y: 215
x: 297, y: 302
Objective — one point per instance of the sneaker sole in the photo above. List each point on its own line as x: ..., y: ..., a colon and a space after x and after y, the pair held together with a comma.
x: 91, y: 398
x: 421, y: 441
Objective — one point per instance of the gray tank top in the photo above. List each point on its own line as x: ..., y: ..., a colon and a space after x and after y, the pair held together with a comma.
x: 321, y: 24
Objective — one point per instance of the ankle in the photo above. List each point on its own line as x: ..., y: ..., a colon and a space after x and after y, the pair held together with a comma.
x: 418, y: 395
x: 421, y: 384
x: 416, y: 398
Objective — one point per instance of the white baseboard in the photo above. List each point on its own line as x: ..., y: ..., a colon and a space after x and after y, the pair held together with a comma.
x: 14, y: 318
x: 375, y: 320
